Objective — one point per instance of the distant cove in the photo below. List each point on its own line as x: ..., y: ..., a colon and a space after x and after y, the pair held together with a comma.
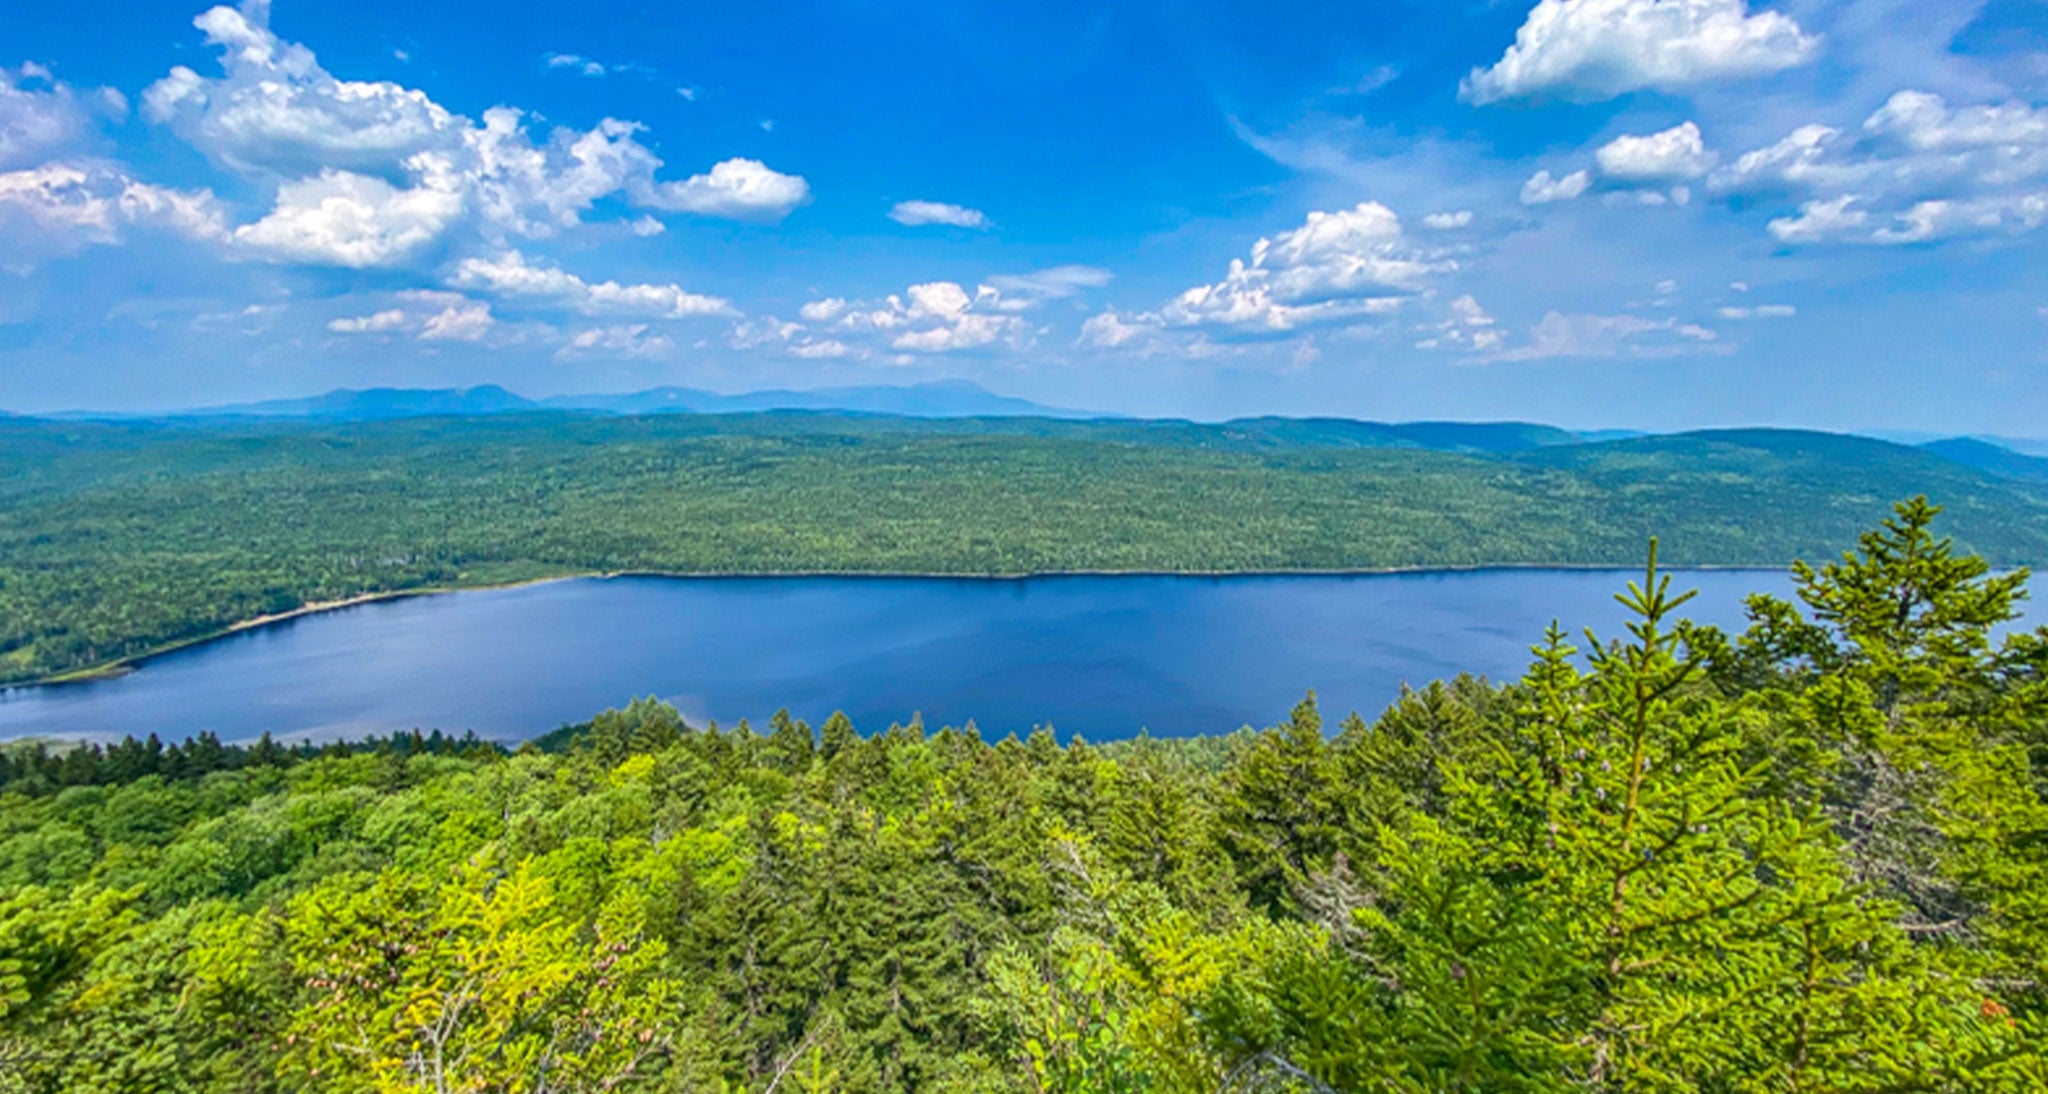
x: 1102, y: 655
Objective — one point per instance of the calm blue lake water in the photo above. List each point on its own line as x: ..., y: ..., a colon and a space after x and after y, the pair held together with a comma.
x: 1104, y: 656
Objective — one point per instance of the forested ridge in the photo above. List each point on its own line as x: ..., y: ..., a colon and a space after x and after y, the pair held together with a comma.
x: 117, y: 539
x: 1806, y: 857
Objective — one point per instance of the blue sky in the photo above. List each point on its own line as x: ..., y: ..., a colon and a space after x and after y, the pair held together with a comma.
x: 1647, y: 213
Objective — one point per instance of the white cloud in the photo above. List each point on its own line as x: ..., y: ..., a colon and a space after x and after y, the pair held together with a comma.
x: 1109, y: 330
x: 940, y: 317
x: 820, y: 349
x: 274, y: 112
x: 1444, y: 222
x: 40, y: 117
x: 1925, y: 121
x: 344, y: 219
x: 576, y: 63
x: 1634, y: 169
x: 823, y: 311
x: 59, y: 208
x: 766, y: 330
x: 965, y: 332
x: 1469, y: 327
x: 382, y: 322
x: 738, y: 188
x: 1586, y: 50
x: 1541, y: 189
x: 918, y: 213
x: 466, y: 321
x: 1845, y: 219
x: 1820, y: 220
x: 631, y: 340
x: 1761, y: 311
x: 1927, y: 221
x: 1337, y: 267
x: 529, y: 190
x: 1800, y: 160
x: 510, y: 274
x: 1674, y: 154
x: 277, y: 109
x: 1561, y: 336
x: 435, y: 316
x: 1028, y: 290
x: 1917, y: 171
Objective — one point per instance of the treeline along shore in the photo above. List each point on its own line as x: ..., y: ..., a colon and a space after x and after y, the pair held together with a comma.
x: 122, y: 539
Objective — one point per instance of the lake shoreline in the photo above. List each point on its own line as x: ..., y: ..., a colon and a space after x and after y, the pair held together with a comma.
x: 123, y: 666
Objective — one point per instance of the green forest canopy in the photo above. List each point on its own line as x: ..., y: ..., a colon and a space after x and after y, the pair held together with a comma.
x: 120, y: 539
x: 1808, y: 857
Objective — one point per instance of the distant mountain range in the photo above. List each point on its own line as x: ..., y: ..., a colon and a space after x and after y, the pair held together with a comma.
x: 1998, y: 459
x: 2007, y: 457
x: 939, y: 399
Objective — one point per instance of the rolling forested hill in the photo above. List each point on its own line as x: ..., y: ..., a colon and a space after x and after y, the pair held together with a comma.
x: 119, y: 538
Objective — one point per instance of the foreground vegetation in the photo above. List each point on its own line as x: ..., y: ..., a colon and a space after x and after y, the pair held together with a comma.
x: 1804, y: 858
x: 116, y: 540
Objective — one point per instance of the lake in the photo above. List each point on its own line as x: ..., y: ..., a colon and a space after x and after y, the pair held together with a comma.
x: 1101, y: 655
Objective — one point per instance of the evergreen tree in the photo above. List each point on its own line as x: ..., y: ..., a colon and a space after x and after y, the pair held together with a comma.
x: 1276, y: 814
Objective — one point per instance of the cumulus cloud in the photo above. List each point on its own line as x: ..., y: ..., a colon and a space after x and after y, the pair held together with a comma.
x: 1927, y: 221
x: 1542, y: 189
x: 1801, y: 160
x: 792, y: 338
x: 738, y: 188
x: 430, y: 315
x: 1110, y: 330
x: 820, y: 349
x: 1918, y: 170
x: 60, y: 208
x: 1468, y: 328
x: 918, y: 213
x: 276, y: 109
x: 382, y: 322
x: 1819, y: 220
x: 510, y: 274
x: 1672, y: 155
x: 824, y: 311
x: 1587, y: 50
x: 370, y: 172
x: 1337, y: 267
x: 1444, y: 222
x: 1926, y: 122
x: 633, y: 340
x: 40, y: 116
x: 339, y: 218
x: 1633, y: 169
x: 939, y: 317
x: 460, y: 321
x: 1761, y: 311
x: 763, y: 331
